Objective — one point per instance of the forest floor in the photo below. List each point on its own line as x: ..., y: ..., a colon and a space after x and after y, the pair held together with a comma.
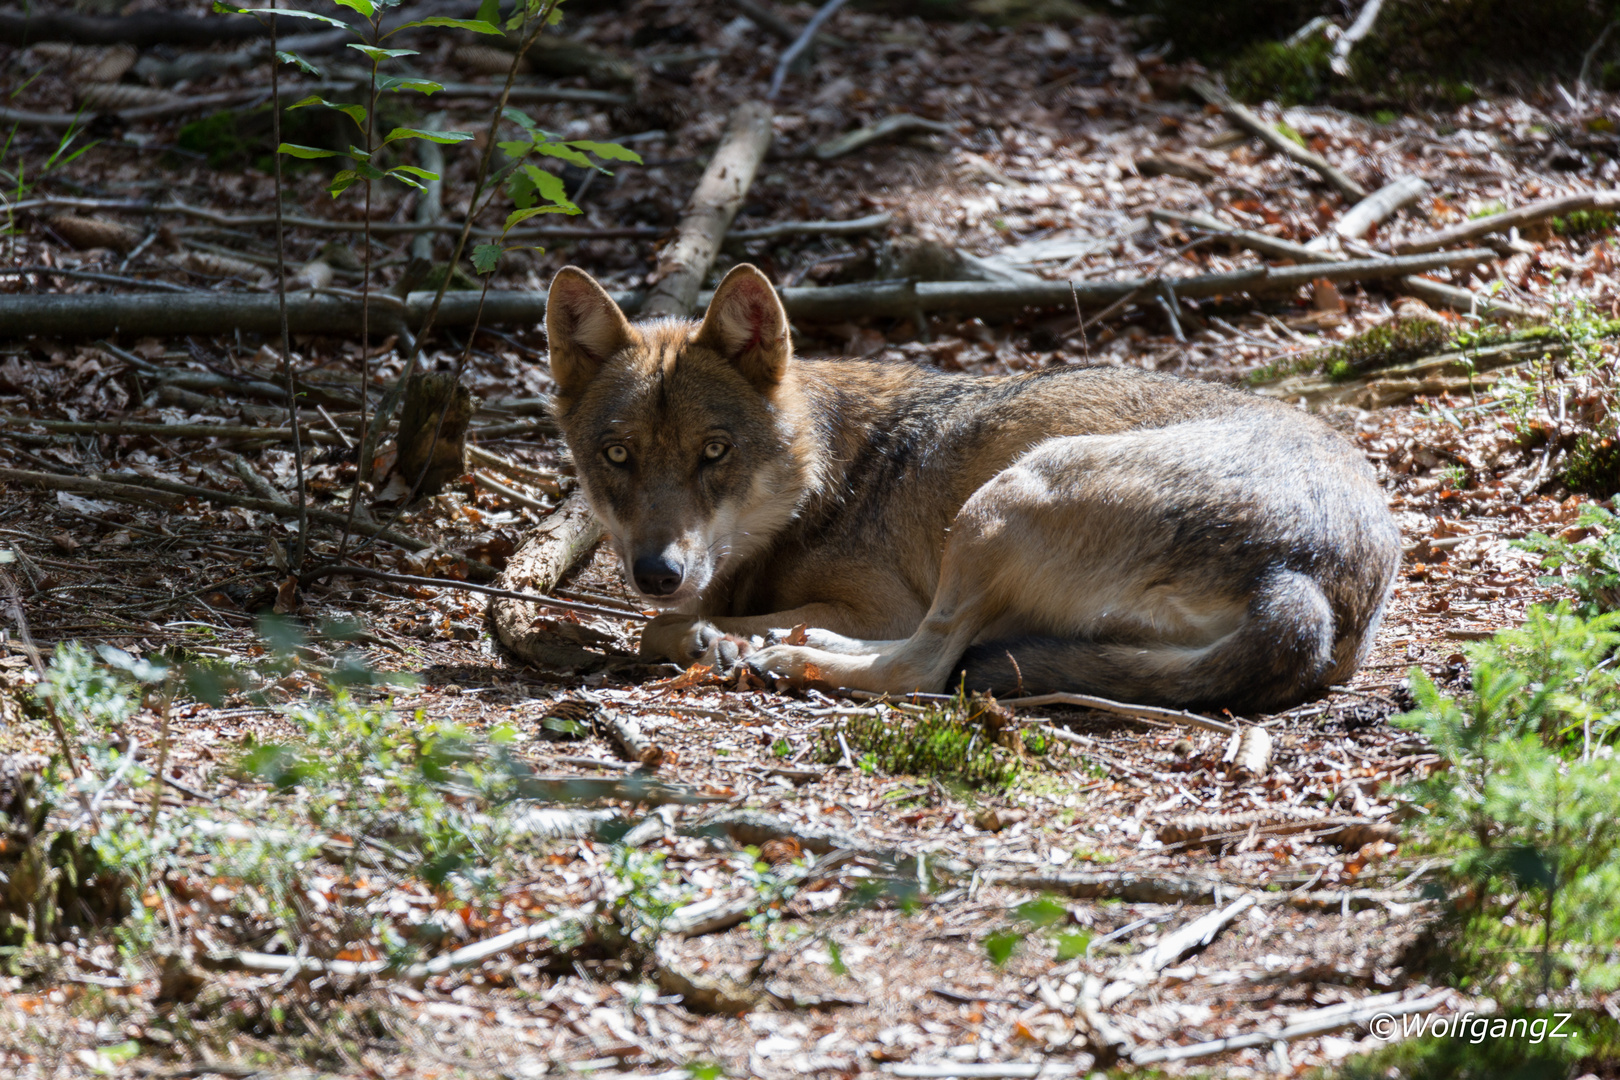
x: 861, y: 920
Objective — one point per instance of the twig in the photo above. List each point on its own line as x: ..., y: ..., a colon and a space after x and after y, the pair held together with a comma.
x: 287, y: 378
x: 20, y: 620
x: 509, y: 493
x: 1282, y: 144
x: 1509, y: 219
x: 1348, y: 40
x: 773, y: 23
x: 1151, y: 712
x: 233, y: 432
x: 890, y: 126
x: 1433, y: 292
x: 800, y: 43
x: 1298, y: 1026
x: 560, y: 928
x: 1143, y: 968
x: 1583, y: 80
x: 487, y: 590
x: 852, y: 227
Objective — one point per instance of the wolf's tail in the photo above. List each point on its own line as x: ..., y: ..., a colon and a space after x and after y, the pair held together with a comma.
x: 1285, y: 649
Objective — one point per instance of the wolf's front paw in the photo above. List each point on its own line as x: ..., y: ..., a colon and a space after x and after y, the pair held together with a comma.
x: 688, y: 641
x: 795, y: 663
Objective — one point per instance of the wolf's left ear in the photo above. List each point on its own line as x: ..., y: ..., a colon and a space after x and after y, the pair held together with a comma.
x: 746, y: 325
x: 583, y: 328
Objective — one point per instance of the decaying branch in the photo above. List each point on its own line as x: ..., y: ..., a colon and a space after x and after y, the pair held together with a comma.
x: 555, y: 545
x: 1510, y: 219
x: 1282, y: 144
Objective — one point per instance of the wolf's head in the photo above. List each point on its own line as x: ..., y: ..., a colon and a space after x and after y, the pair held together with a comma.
x: 686, y: 436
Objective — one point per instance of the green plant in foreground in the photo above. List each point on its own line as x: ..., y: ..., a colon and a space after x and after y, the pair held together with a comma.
x: 1590, y: 565
x: 1530, y: 808
x: 1045, y: 916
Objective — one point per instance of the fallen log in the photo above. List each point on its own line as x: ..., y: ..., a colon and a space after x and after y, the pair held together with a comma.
x: 80, y: 315
x: 1509, y: 219
x: 142, y: 30
x: 685, y: 263
x: 1282, y: 144
x: 1357, y: 221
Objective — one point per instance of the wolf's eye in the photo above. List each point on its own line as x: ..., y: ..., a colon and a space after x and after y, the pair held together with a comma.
x: 618, y: 454
x: 715, y: 451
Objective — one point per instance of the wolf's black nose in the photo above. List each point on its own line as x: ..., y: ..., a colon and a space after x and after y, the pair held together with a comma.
x: 656, y: 576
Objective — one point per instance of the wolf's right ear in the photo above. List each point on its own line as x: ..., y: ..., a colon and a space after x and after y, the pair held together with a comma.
x: 583, y: 328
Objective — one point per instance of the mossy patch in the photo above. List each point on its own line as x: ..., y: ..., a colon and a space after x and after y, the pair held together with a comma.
x: 1593, y: 465
x: 1275, y: 71
x: 1394, y: 342
x: 1585, y: 223
x: 970, y: 741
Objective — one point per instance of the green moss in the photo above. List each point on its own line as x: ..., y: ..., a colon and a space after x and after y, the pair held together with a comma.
x: 1272, y: 71
x: 1593, y: 466
x: 1584, y: 222
x: 969, y: 741
x: 1387, y: 344
x: 460, y: 280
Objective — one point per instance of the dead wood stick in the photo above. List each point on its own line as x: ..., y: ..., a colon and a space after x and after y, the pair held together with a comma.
x: 1298, y: 1026
x: 547, y: 482
x: 141, y: 30
x: 890, y: 126
x: 89, y: 486
x: 1149, y: 712
x: 799, y: 44
x: 1509, y: 219
x: 685, y: 263
x: 1143, y: 968
x: 247, y: 502
x: 1433, y: 292
x: 536, y: 567
x: 1358, y: 30
x: 755, y: 827
x: 561, y: 927
x: 343, y: 570
x: 626, y: 736
x: 1357, y: 221
x: 232, y: 432
x: 1136, y: 887
x: 1282, y: 144
x: 511, y: 494
x: 852, y: 227
x: 773, y: 23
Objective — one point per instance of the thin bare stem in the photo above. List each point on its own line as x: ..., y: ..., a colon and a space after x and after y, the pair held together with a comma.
x: 281, y: 295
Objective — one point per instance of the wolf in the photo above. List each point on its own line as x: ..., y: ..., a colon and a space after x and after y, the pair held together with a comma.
x: 894, y: 528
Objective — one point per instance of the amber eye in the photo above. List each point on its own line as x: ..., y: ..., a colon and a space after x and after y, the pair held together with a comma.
x: 618, y: 454
x: 715, y: 451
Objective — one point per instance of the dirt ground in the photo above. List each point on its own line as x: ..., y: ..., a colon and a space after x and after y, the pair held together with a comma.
x: 1043, y: 171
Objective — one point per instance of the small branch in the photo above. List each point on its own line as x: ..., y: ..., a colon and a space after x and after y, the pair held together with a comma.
x: 625, y: 734
x: 233, y: 432
x: 852, y: 227
x: 1298, y: 1026
x: 1282, y: 144
x: 1143, y: 968
x: 1149, y: 712
x: 1583, y: 80
x: 773, y: 23
x: 468, y: 586
x: 1509, y: 219
x: 560, y: 928
x: 887, y: 128
x: 800, y: 43
x: 1348, y: 40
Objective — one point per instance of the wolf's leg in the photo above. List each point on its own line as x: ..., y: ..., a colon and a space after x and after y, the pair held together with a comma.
x: 687, y: 639
x: 1282, y: 651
